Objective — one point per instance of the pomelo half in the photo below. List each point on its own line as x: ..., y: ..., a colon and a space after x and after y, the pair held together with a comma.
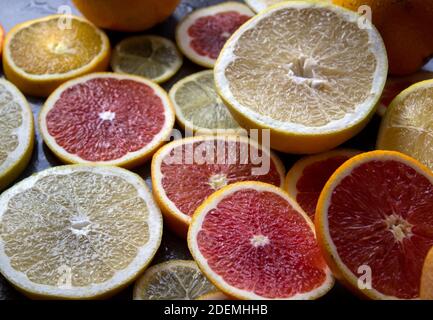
x: 374, y: 224
x: 306, y: 179
x: 186, y: 171
x: 254, y: 242
x: 202, y: 34
x: 312, y: 87
x: 107, y: 118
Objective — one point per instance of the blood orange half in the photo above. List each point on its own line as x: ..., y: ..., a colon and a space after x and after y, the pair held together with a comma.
x: 203, y: 33
x: 254, y: 242
x: 306, y: 179
x: 374, y: 223
x: 106, y: 118
x: 185, y: 172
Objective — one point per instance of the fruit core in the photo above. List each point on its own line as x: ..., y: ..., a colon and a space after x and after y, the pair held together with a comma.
x: 303, y: 71
x: 217, y: 181
x: 259, y: 241
x: 107, y: 115
x: 80, y: 225
x: 399, y: 227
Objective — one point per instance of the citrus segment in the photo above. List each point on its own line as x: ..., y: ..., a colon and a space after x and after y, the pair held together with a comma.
x: 374, y: 223
x: 185, y: 172
x: 426, y: 290
x: 16, y: 133
x: 407, y: 124
x: 306, y: 179
x: 395, y: 85
x: 77, y: 231
x: 198, y: 106
x: 41, y: 54
x: 254, y: 242
x: 203, y: 33
x: 152, y: 57
x: 106, y: 118
x: 312, y: 87
x: 172, y: 280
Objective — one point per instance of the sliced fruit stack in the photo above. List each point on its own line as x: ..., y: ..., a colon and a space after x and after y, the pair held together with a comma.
x: 302, y: 72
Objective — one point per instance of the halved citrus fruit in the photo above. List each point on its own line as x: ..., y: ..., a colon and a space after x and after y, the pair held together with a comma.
x: 374, y: 223
x: 17, y: 133
x: 77, y: 232
x: 313, y: 87
x: 2, y: 35
x: 216, y: 295
x: 203, y: 33
x: 426, y: 290
x: 407, y: 124
x: 172, y: 280
x: 106, y: 118
x: 395, y: 85
x: 152, y: 57
x: 198, y: 106
x: 254, y: 242
x: 41, y: 54
x: 186, y: 171
x: 306, y: 179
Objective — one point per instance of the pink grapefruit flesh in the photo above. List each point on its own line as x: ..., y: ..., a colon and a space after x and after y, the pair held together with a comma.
x: 380, y: 216
x: 187, y: 185
x: 107, y: 118
x: 259, y: 245
x: 209, y: 34
x: 313, y: 179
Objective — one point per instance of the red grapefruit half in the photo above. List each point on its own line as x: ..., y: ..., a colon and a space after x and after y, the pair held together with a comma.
x: 254, y: 242
x: 185, y: 172
x: 106, y: 118
x: 374, y: 224
x: 306, y: 179
x: 203, y: 33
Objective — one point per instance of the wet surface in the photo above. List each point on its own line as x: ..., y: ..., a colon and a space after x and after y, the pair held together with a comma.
x: 172, y: 247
